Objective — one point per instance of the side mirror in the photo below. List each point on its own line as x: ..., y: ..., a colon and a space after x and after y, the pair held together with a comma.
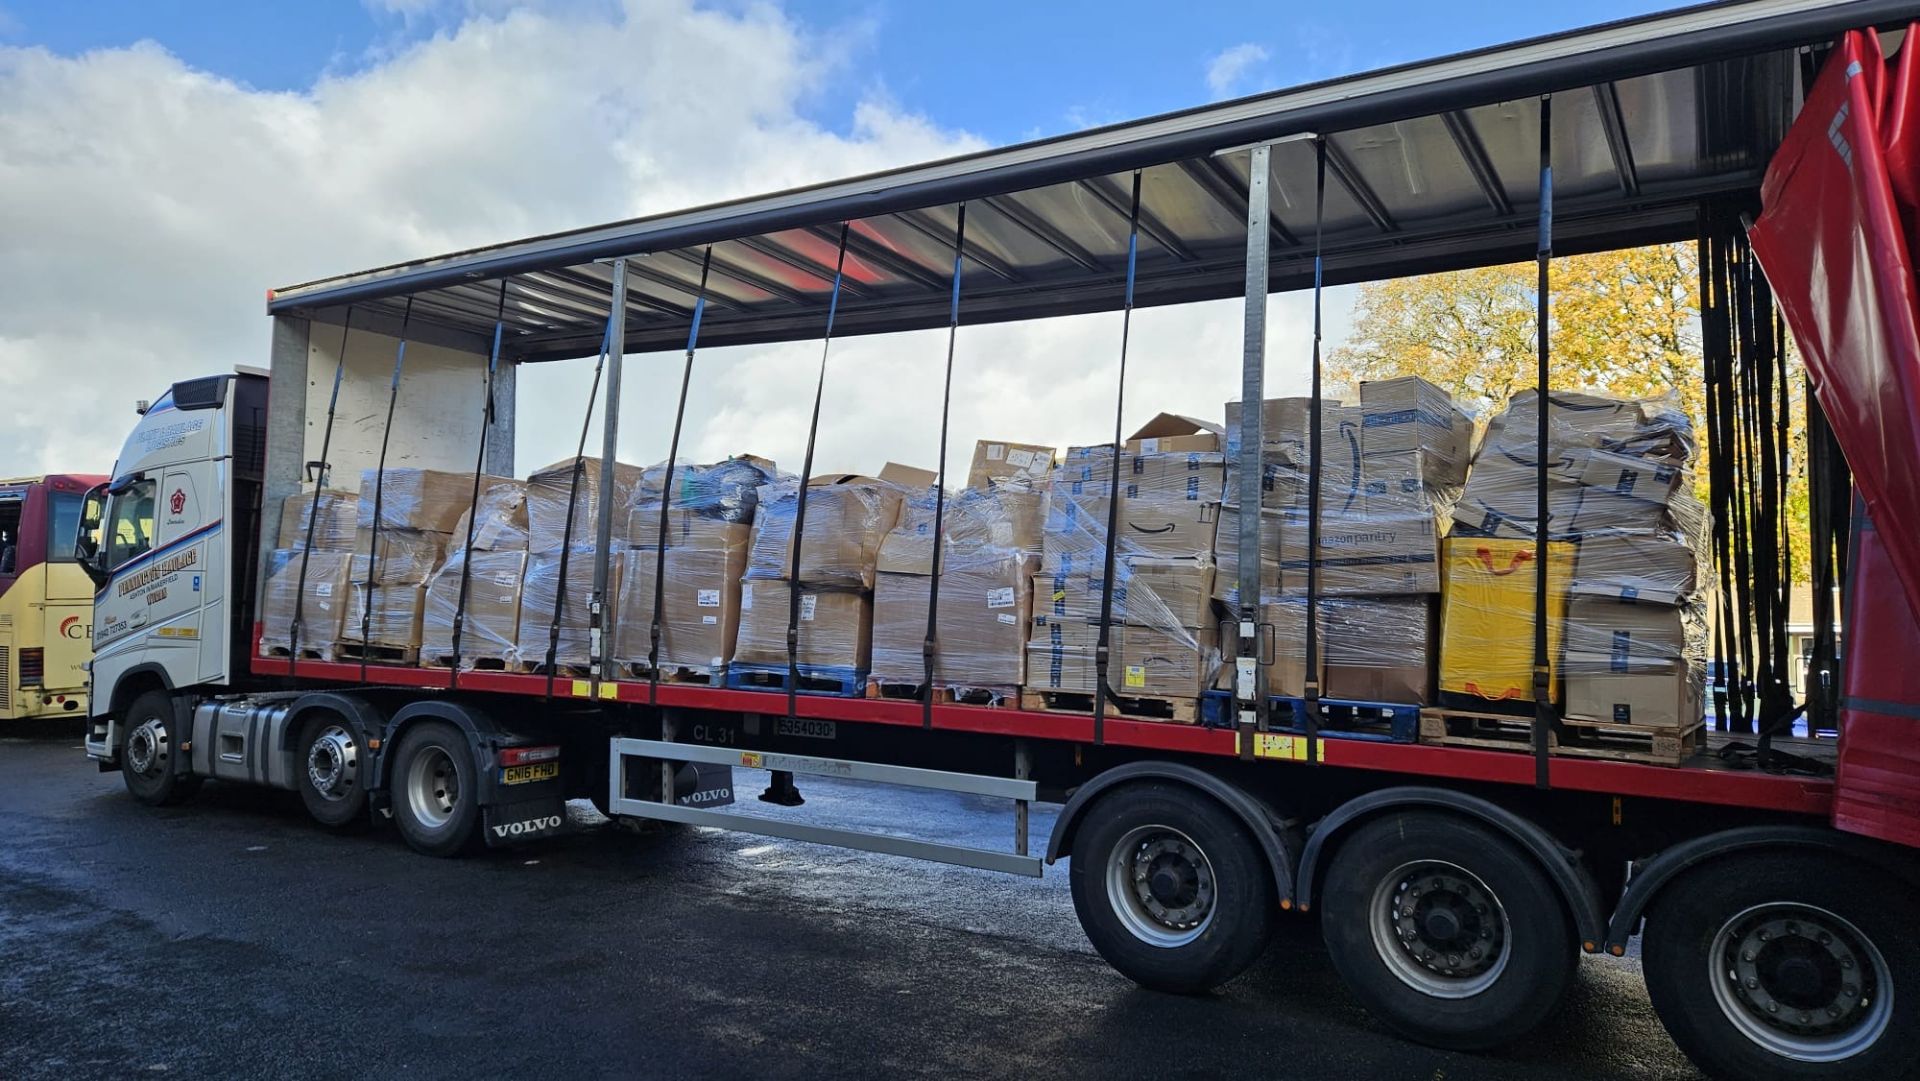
x: 88, y: 556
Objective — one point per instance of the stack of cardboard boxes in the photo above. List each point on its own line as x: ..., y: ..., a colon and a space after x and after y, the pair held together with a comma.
x: 848, y: 516
x: 322, y: 602
x: 700, y: 557
x: 1163, y: 638
x: 990, y: 545
x: 418, y: 510
x: 554, y: 538
x: 1391, y: 468
x: 490, y: 555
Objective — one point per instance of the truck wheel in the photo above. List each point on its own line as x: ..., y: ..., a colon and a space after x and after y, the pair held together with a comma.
x: 151, y: 759
x: 331, y: 771
x: 436, y: 797
x: 1446, y: 931
x: 1170, y: 888
x: 1774, y: 965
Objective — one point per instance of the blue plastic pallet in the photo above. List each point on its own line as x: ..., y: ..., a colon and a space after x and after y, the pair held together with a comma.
x: 1340, y: 718
x: 831, y: 681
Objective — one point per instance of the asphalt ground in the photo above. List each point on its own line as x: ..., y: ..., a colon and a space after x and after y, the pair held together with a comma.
x: 231, y: 937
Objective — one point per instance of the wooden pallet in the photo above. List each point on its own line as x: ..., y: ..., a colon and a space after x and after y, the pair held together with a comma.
x: 562, y: 670
x: 307, y: 653
x: 377, y: 653
x: 1576, y: 738
x: 696, y: 674
x: 830, y: 680
x: 945, y: 694
x: 1125, y: 707
x: 477, y: 664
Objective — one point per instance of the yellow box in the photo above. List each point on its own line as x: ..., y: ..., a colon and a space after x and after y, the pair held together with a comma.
x: 1486, y: 624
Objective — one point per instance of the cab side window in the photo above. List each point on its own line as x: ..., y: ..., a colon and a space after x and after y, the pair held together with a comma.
x: 130, y: 523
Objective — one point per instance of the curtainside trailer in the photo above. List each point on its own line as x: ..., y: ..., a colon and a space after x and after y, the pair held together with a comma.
x: 1456, y: 886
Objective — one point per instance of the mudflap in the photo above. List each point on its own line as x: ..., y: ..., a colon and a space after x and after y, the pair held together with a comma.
x: 506, y: 824
x: 711, y: 785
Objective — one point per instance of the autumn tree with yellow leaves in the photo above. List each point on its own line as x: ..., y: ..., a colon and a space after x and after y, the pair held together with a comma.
x: 1625, y: 322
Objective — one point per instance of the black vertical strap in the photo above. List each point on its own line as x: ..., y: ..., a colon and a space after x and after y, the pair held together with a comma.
x: 1829, y: 490
x: 666, y: 496
x: 370, y: 590
x: 1102, y: 644
x: 927, y: 644
x: 806, y: 474
x: 1543, y: 712
x: 473, y: 504
x: 313, y: 509
x: 1311, y: 720
x: 573, y: 501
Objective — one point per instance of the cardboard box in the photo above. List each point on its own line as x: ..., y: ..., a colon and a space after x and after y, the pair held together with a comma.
x: 1164, y: 663
x: 426, y: 500
x: 700, y: 606
x: 1287, y: 616
x: 1501, y: 499
x: 491, y: 630
x: 392, y: 610
x: 1389, y: 554
x: 1628, y: 477
x: 1164, y: 593
x: 501, y: 525
x: 1380, y: 649
x: 1674, y: 700
x: 316, y: 583
x: 1281, y: 420
x: 1001, y: 517
x: 981, y: 638
x: 1052, y: 664
x: 1602, y: 511
x: 1644, y: 568
x: 836, y: 626
x: 1189, y: 477
x: 405, y: 557
x: 1226, y: 554
x: 1610, y: 636
x: 339, y: 512
x: 1173, y: 433
x: 848, y: 516
x: 914, y: 480
x: 999, y: 461
x: 1409, y: 414
x: 686, y: 529
x: 1169, y: 530
x: 1486, y: 620
x: 542, y: 588
x: 547, y: 493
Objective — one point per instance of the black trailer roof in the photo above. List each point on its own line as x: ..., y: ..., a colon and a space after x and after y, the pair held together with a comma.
x: 1432, y: 166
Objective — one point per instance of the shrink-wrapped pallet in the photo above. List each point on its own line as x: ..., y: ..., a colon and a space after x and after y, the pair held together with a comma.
x: 491, y: 627
x: 834, y: 627
x: 548, y: 491
x: 545, y: 594
x: 339, y: 513
x: 315, y: 585
x: 847, y: 518
x: 699, y: 605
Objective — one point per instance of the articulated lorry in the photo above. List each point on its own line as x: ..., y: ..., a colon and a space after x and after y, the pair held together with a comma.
x: 1456, y: 885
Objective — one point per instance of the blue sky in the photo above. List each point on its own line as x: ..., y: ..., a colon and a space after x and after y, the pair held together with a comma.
x: 1005, y: 70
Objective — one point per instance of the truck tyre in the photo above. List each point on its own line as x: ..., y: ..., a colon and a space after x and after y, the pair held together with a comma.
x: 330, y: 769
x: 436, y: 791
x: 1446, y: 931
x: 152, y: 759
x: 1170, y: 888
x: 1785, y: 965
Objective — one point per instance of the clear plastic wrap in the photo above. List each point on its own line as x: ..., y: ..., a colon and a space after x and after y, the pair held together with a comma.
x: 492, y: 624
x: 1610, y: 636
x: 1144, y: 662
x: 713, y: 505
x: 339, y: 511
x: 847, y: 519
x: 982, y: 526
x: 322, y: 611
x: 700, y: 610
x: 425, y: 500
x: 392, y: 609
x: 404, y: 557
x: 835, y: 625
x: 981, y: 639
x: 540, y: 588
x: 501, y: 525
x: 1019, y: 464
x: 547, y: 492
x: 1226, y: 554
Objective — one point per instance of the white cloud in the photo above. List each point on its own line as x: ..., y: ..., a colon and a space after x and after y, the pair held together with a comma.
x: 1229, y: 67
x: 151, y: 205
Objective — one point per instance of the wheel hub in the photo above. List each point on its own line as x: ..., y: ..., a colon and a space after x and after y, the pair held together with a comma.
x: 147, y: 746
x: 333, y: 762
x: 1161, y: 885
x: 1440, y: 929
x: 433, y: 787
x: 1802, y: 982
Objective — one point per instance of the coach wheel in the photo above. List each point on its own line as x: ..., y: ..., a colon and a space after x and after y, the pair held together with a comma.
x: 1170, y: 888
x: 1446, y: 931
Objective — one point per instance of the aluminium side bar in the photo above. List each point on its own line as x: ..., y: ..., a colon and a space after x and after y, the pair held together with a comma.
x: 313, y: 509
x: 1250, y: 683
x: 806, y: 473
x: 666, y: 496
x: 1312, y: 687
x: 609, y: 452
x: 573, y: 501
x: 369, y: 591
x: 1101, y: 646
x: 473, y: 504
x: 1543, y: 713
x: 928, y: 644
